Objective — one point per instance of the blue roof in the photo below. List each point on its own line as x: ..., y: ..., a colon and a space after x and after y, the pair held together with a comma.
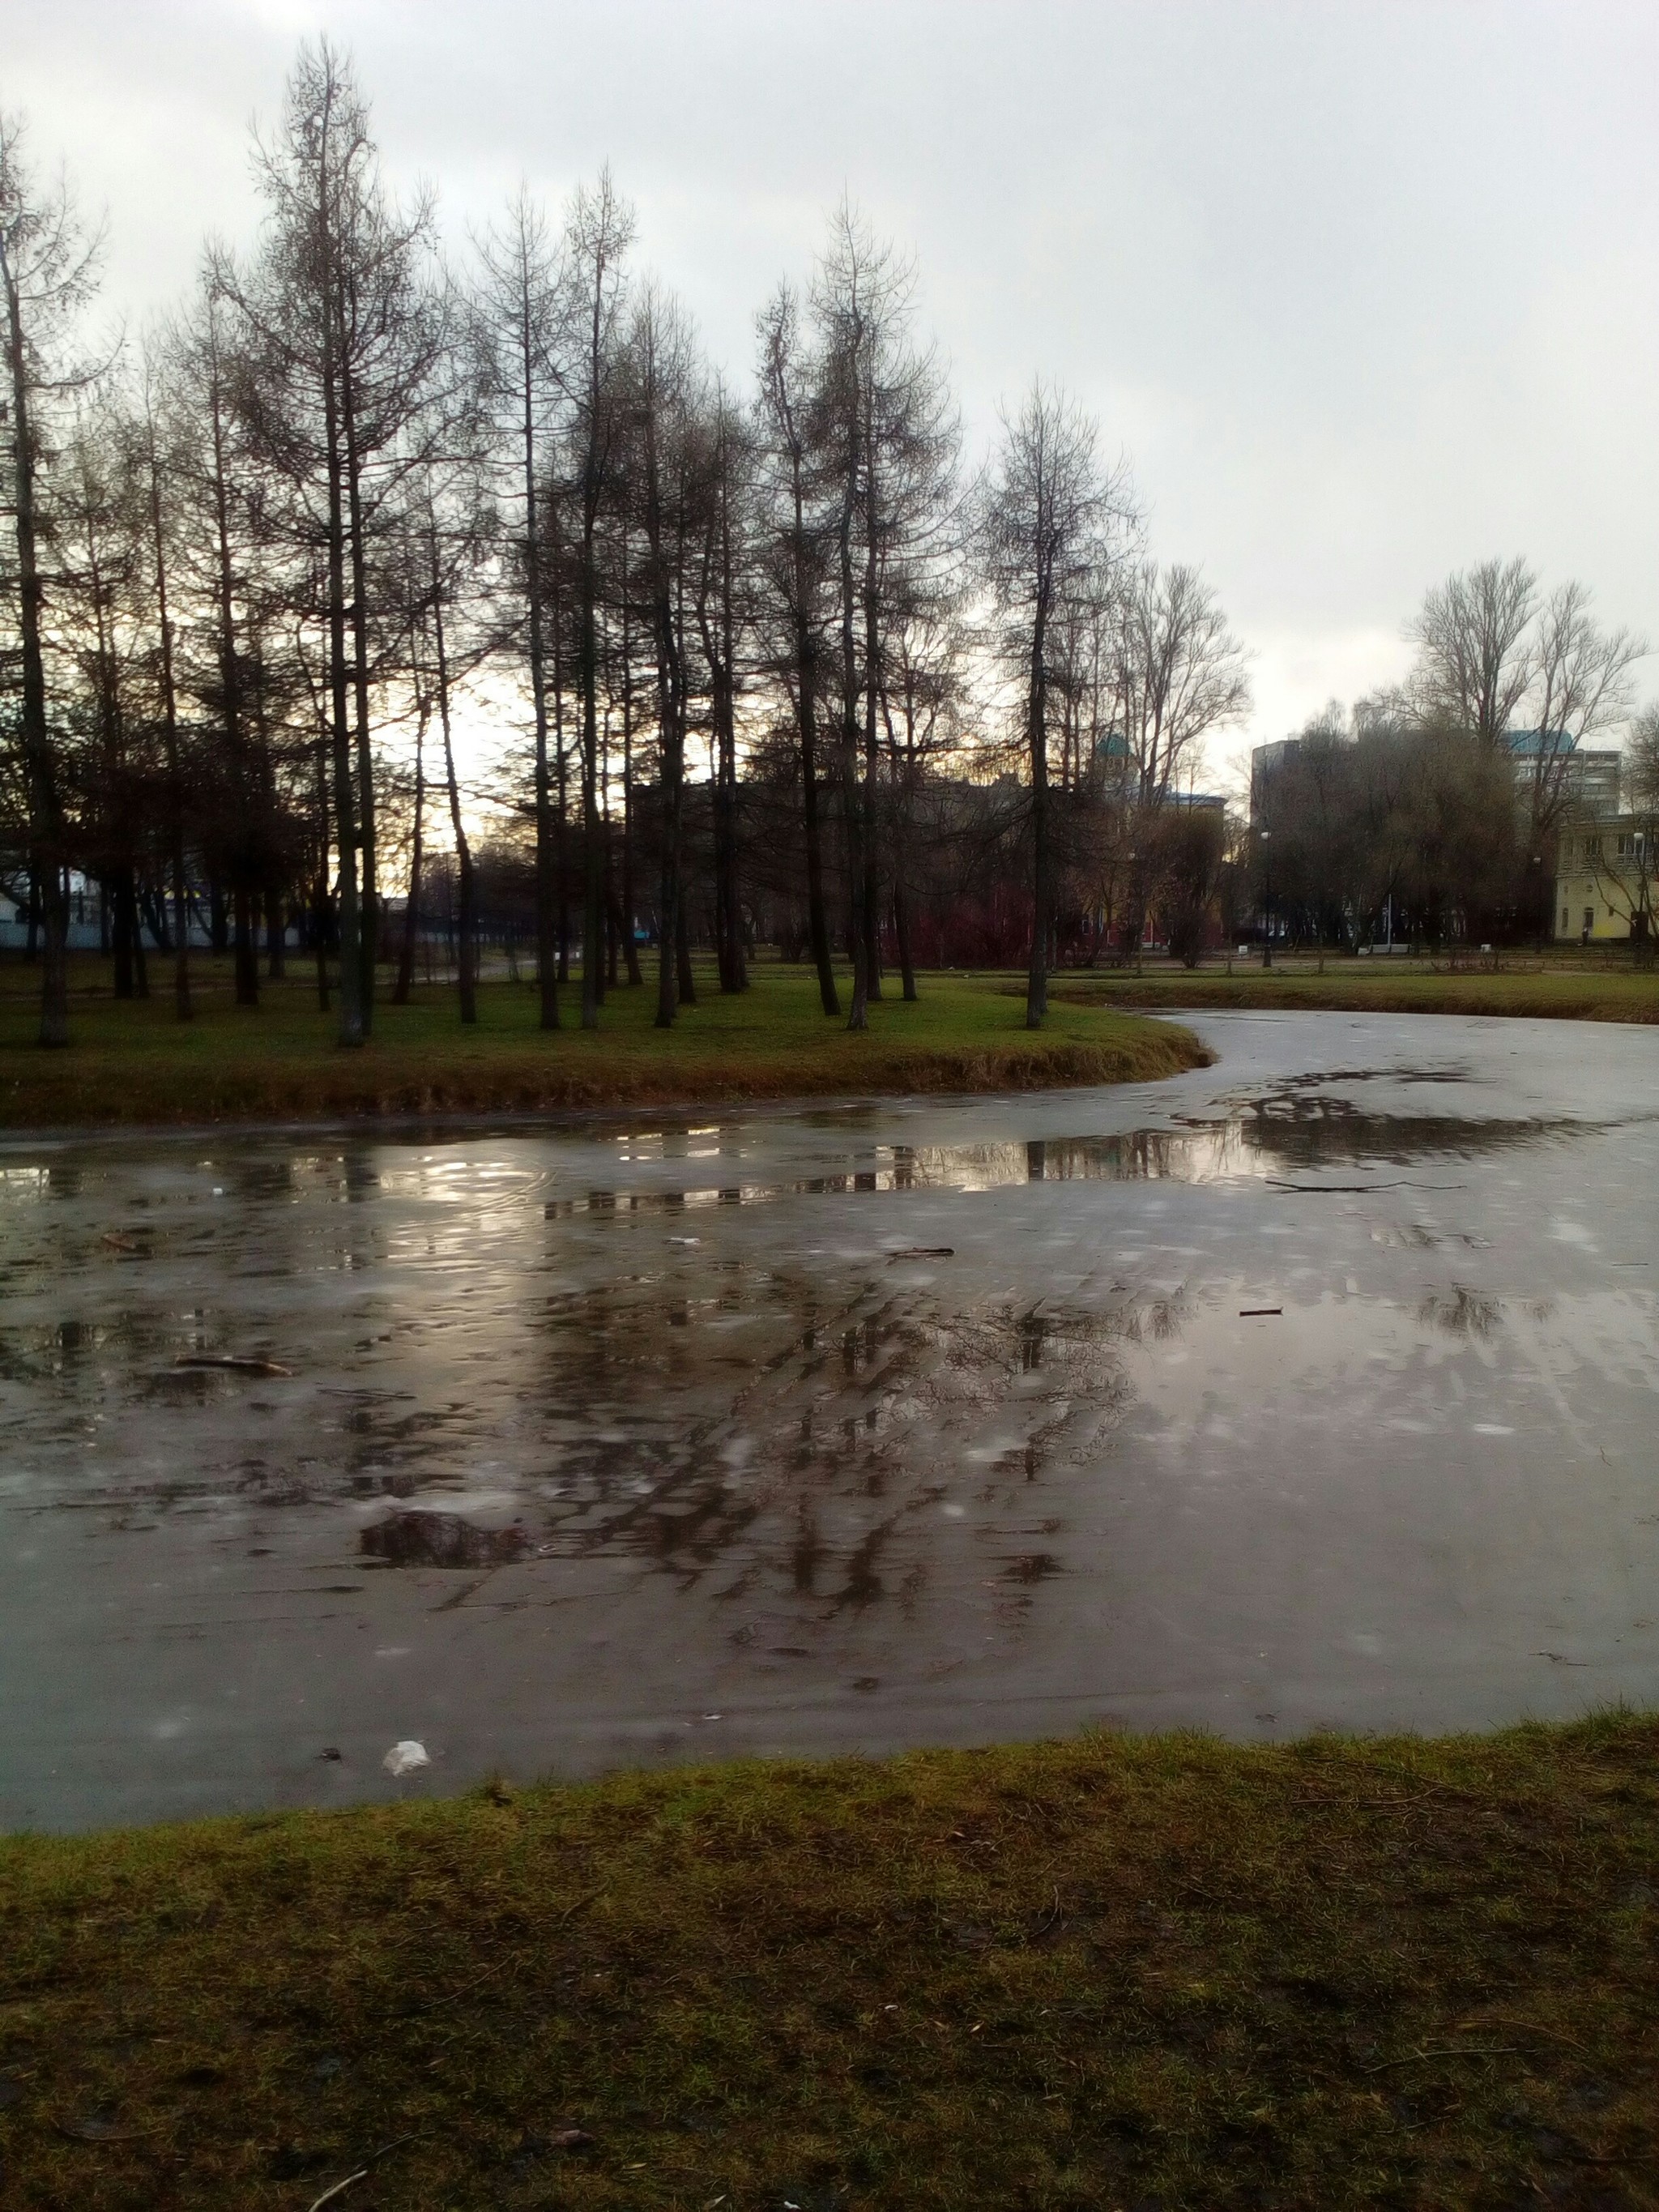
x: 1531, y: 744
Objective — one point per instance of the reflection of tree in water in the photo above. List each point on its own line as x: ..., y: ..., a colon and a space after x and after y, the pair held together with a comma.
x: 814, y: 1449
x: 1298, y: 1131
x: 1466, y: 1313
x: 1192, y: 1154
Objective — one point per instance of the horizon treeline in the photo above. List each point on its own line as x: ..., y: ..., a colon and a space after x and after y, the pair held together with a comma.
x: 762, y: 651
x: 764, y: 658
x: 1441, y: 803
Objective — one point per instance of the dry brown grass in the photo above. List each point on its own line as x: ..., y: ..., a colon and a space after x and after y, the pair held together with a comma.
x: 1165, y: 1972
x: 1589, y: 989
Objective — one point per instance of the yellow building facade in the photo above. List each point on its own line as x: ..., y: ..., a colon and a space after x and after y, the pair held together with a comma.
x: 1603, y: 879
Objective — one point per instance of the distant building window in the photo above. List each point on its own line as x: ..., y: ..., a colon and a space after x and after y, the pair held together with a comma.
x: 1566, y: 919
x: 1592, y: 848
x: 1629, y: 844
x: 1590, y: 917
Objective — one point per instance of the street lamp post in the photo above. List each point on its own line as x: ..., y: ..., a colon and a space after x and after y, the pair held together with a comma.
x: 1268, y: 860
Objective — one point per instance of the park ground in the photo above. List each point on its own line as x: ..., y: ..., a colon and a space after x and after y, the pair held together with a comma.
x: 132, y: 1062
x: 1595, y: 986
x: 1159, y: 1972
x: 1163, y: 1971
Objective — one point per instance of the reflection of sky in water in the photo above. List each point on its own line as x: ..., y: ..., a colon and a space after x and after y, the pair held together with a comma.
x: 942, y: 1400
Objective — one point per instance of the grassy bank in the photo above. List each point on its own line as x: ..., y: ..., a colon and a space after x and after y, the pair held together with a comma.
x: 134, y: 1063
x: 1586, y: 990
x: 1110, y: 1972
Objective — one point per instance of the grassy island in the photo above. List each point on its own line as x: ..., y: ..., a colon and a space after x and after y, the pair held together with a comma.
x: 133, y: 1062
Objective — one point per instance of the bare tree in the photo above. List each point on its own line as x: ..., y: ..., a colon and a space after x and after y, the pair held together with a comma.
x: 345, y: 339
x: 722, y: 621
x: 1180, y: 674
x: 162, y: 523
x: 451, y: 555
x: 891, y: 437
x: 48, y: 274
x: 99, y: 554
x: 422, y: 690
x: 1474, y: 658
x: 667, y: 488
x: 1581, y: 683
x: 1488, y: 650
x: 794, y: 571
x: 519, y: 315
x: 1047, y: 511
x: 598, y: 232
x: 922, y: 686
x: 1309, y: 808
x: 236, y: 572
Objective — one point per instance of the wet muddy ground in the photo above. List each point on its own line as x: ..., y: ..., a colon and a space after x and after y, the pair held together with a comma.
x: 1316, y: 1387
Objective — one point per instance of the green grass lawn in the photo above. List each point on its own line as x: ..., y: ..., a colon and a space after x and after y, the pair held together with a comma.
x: 134, y: 1062
x: 1107, y: 1972
x: 1591, y: 988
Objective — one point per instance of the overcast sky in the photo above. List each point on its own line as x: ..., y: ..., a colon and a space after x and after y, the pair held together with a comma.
x: 1363, y: 292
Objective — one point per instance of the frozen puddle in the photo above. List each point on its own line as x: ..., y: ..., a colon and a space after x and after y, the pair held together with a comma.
x: 1315, y: 1387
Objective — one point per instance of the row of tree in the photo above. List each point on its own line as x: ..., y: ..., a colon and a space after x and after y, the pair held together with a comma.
x: 278, y: 572
x: 1442, y: 805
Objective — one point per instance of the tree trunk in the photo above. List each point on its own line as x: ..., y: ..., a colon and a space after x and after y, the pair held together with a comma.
x: 181, y: 999
x: 668, y: 898
x: 670, y: 890
x: 153, y: 917
x: 607, y: 975
x: 872, y: 680
x: 369, y: 920
x: 549, y: 967
x: 722, y: 653
x: 1036, y: 984
x: 592, y: 858
x: 123, y: 917
x: 47, y: 856
x: 321, y: 916
x: 405, y: 980
x: 467, y: 961
x: 818, y: 921
x: 353, y: 1029
x: 562, y: 855
x: 247, y: 951
x: 870, y: 812
x: 902, y: 930
x: 685, y: 981
x: 806, y: 690
x: 612, y: 932
x: 135, y: 923
x: 631, y: 950
x: 54, y: 958
x: 872, y: 895
x: 276, y: 937
x: 858, y: 1016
